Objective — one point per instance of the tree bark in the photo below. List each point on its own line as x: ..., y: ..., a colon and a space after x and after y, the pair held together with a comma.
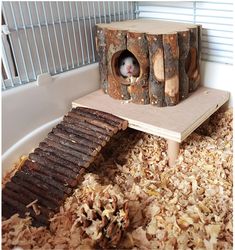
x: 156, y: 73
x: 82, y: 131
x: 171, y: 69
x: 102, y: 57
x: 116, y: 43
x: 183, y: 41
x: 48, y: 146
x: 193, y: 72
x: 199, y: 54
x: 138, y: 46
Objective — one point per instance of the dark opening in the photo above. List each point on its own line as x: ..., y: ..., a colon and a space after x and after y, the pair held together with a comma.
x: 127, y: 65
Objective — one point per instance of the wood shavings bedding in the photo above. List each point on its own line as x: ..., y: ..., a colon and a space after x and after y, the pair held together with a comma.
x: 188, y: 206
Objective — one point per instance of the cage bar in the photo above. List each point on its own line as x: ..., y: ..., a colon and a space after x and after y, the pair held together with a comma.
x: 34, y: 37
x: 42, y: 39
x: 49, y: 37
x: 7, y: 67
x: 86, y: 39
x: 56, y: 38
x: 74, y: 36
x: 91, y: 33
x: 19, y: 42
x: 66, y: 25
x: 15, y: 59
x: 80, y: 35
x: 27, y: 41
x: 48, y: 29
x: 114, y: 10
x: 62, y: 35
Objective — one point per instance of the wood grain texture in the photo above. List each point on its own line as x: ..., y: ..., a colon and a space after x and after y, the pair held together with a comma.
x: 102, y: 57
x: 171, y: 68
x: 183, y: 42
x: 138, y: 46
x: 193, y: 71
x: 116, y: 43
x: 156, y: 73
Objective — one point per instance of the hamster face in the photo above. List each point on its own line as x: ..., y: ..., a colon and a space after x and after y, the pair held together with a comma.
x: 129, y: 67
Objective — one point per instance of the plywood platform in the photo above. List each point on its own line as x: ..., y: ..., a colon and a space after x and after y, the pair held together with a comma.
x: 174, y: 123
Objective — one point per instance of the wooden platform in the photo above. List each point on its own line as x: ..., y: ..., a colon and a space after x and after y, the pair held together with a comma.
x: 149, y: 26
x: 174, y: 123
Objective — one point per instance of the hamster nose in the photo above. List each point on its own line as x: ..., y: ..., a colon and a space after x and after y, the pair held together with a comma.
x: 128, y: 67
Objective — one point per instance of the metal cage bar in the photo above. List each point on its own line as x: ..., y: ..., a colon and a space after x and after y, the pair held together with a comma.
x: 53, y: 37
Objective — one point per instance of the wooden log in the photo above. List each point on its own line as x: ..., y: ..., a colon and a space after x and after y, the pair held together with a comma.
x: 97, y: 122
x: 54, y: 202
x: 25, y: 200
x: 28, y: 177
x: 7, y: 210
x: 82, y: 131
x: 70, y: 182
x: 40, y: 159
x: 94, y: 115
x: 42, y: 201
x: 84, y: 151
x: 89, y: 124
x: 138, y: 46
x: 116, y: 43
x: 183, y: 42
x: 193, y: 71
x: 171, y: 58
x: 28, y: 169
x: 102, y: 57
x: 156, y: 73
x: 22, y: 209
x: 108, y: 116
x: 198, y: 81
x: 74, y: 138
x: 58, y: 159
x: 65, y: 155
x: 82, y: 158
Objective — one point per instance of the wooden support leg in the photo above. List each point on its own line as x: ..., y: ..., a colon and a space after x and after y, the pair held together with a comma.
x: 173, y: 149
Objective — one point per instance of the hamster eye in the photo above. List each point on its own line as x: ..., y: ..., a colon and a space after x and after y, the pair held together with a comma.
x: 134, y: 62
x: 123, y: 63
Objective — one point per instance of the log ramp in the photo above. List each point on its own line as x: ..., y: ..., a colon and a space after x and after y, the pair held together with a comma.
x: 54, y: 169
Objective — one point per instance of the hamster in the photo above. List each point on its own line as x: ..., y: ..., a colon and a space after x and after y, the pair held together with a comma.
x: 128, y: 66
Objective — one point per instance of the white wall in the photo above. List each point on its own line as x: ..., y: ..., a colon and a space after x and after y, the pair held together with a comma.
x: 219, y: 76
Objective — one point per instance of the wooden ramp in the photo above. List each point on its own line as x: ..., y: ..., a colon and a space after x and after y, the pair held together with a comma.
x: 174, y: 123
x: 54, y: 169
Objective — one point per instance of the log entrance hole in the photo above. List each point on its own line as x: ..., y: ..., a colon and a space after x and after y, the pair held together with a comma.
x: 119, y: 64
x: 168, y: 55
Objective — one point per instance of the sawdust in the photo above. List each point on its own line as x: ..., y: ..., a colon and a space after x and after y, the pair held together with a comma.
x: 188, y: 206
